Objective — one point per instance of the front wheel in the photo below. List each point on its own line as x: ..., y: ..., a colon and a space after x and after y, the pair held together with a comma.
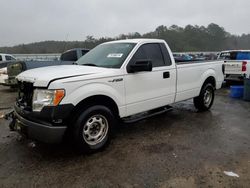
x: 206, y: 98
x: 92, y: 128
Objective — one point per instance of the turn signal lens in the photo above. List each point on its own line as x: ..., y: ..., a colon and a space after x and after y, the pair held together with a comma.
x: 59, y: 94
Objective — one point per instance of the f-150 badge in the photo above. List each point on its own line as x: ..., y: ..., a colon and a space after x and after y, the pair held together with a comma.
x: 116, y: 80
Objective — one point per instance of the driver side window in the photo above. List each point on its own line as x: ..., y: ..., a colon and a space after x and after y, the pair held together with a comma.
x: 150, y: 52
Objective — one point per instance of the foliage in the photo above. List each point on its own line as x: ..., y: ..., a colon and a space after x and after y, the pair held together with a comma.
x: 190, y: 38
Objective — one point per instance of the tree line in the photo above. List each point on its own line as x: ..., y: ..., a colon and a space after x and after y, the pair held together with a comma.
x: 189, y: 38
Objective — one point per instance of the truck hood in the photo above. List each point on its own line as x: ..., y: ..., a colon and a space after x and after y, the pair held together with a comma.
x: 43, y: 76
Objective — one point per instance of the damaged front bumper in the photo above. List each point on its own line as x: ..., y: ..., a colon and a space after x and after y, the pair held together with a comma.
x: 40, y: 131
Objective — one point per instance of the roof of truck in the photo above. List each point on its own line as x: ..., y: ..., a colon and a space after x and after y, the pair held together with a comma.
x: 140, y: 40
x: 227, y: 51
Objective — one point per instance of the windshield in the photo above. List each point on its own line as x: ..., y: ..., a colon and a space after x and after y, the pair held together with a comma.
x: 109, y: 55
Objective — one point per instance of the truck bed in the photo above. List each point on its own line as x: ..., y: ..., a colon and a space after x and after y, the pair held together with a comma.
x: 191, y: 75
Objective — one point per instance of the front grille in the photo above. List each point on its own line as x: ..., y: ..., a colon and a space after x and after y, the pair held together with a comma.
x: 25, y: 94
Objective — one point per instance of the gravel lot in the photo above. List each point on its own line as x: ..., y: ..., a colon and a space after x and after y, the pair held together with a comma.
x: 181, y: 148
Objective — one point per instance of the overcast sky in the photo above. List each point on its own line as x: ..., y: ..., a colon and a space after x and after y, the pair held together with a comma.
x: 25, y: 21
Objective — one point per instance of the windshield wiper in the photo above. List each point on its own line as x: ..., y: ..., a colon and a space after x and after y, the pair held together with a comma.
x: 89, y: 64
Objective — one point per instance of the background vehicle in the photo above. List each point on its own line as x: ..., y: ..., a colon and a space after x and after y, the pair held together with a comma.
x: 115, y: 80
x: 66, y: 58
x: 237, y: 64
x: 6, y: 57
x: 182, y: 57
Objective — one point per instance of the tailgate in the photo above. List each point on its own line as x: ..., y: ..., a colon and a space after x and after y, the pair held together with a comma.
x: 233, y: 67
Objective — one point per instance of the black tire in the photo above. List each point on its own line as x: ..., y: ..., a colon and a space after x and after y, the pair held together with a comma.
x: 202, y: 102
x: 86, y: 128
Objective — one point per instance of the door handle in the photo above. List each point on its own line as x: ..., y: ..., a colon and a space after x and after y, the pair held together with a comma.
x: 166, y: 75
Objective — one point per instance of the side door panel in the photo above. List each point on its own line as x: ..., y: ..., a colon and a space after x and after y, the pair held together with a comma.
x: 149, y: 90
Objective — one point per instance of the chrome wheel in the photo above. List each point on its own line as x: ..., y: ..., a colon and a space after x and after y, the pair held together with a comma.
x: 208, y: 97
x: 95, y: 129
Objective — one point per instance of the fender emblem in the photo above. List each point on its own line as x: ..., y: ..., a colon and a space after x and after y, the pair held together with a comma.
x: 116, y: 80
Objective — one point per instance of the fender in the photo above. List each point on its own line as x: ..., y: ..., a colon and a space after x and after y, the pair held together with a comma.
x: 96, y: 88
x: 209, y: 73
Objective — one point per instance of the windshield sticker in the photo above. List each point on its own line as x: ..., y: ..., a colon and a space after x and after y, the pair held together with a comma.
x: 115, y: 55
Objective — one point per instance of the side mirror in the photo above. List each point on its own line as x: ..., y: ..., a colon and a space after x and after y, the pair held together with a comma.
x: 140, y: 66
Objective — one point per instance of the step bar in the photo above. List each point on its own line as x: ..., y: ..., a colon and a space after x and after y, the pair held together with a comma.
x: 145, y: 115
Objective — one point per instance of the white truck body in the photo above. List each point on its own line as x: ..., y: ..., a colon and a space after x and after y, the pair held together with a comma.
x: 236, y: 68
x: 139, y: 92
x: 130, y: 92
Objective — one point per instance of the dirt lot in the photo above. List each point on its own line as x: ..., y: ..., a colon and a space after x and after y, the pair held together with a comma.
x: 181, y: 148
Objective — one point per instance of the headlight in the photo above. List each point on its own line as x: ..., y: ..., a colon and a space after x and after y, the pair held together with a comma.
x: 45, y: 97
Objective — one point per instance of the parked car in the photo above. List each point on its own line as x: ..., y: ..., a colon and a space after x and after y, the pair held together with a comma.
x: 182, y: 57
x: 237, y: 64
x: 66, y: 58
x: 115, y: 81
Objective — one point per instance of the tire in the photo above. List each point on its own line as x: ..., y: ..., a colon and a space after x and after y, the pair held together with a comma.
x: 206, y: 98
x: 92, y: 129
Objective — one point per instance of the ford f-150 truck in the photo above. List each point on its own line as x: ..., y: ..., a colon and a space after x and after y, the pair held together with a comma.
x: 117, y: 80
x: 237, y: 64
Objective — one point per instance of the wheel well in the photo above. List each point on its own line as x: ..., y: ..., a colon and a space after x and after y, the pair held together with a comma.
x: 97, y: 100
x: 210, y: 80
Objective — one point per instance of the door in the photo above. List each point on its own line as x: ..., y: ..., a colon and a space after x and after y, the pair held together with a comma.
x: 149, y: 90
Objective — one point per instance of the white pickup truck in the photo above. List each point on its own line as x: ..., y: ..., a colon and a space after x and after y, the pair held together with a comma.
x: 115, y: 81
x: 237, y: 64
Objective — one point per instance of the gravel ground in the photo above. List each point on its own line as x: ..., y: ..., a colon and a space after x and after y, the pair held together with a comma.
x: 181, y: 148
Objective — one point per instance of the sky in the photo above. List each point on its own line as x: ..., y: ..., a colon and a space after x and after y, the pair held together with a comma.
x: 26, y: 21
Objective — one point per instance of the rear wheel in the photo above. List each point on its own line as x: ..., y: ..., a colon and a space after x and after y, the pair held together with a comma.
x: 92, y: 128
x: 206, y: 98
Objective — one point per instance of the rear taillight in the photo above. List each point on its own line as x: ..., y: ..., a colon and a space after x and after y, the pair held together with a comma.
x: 244, y: 66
